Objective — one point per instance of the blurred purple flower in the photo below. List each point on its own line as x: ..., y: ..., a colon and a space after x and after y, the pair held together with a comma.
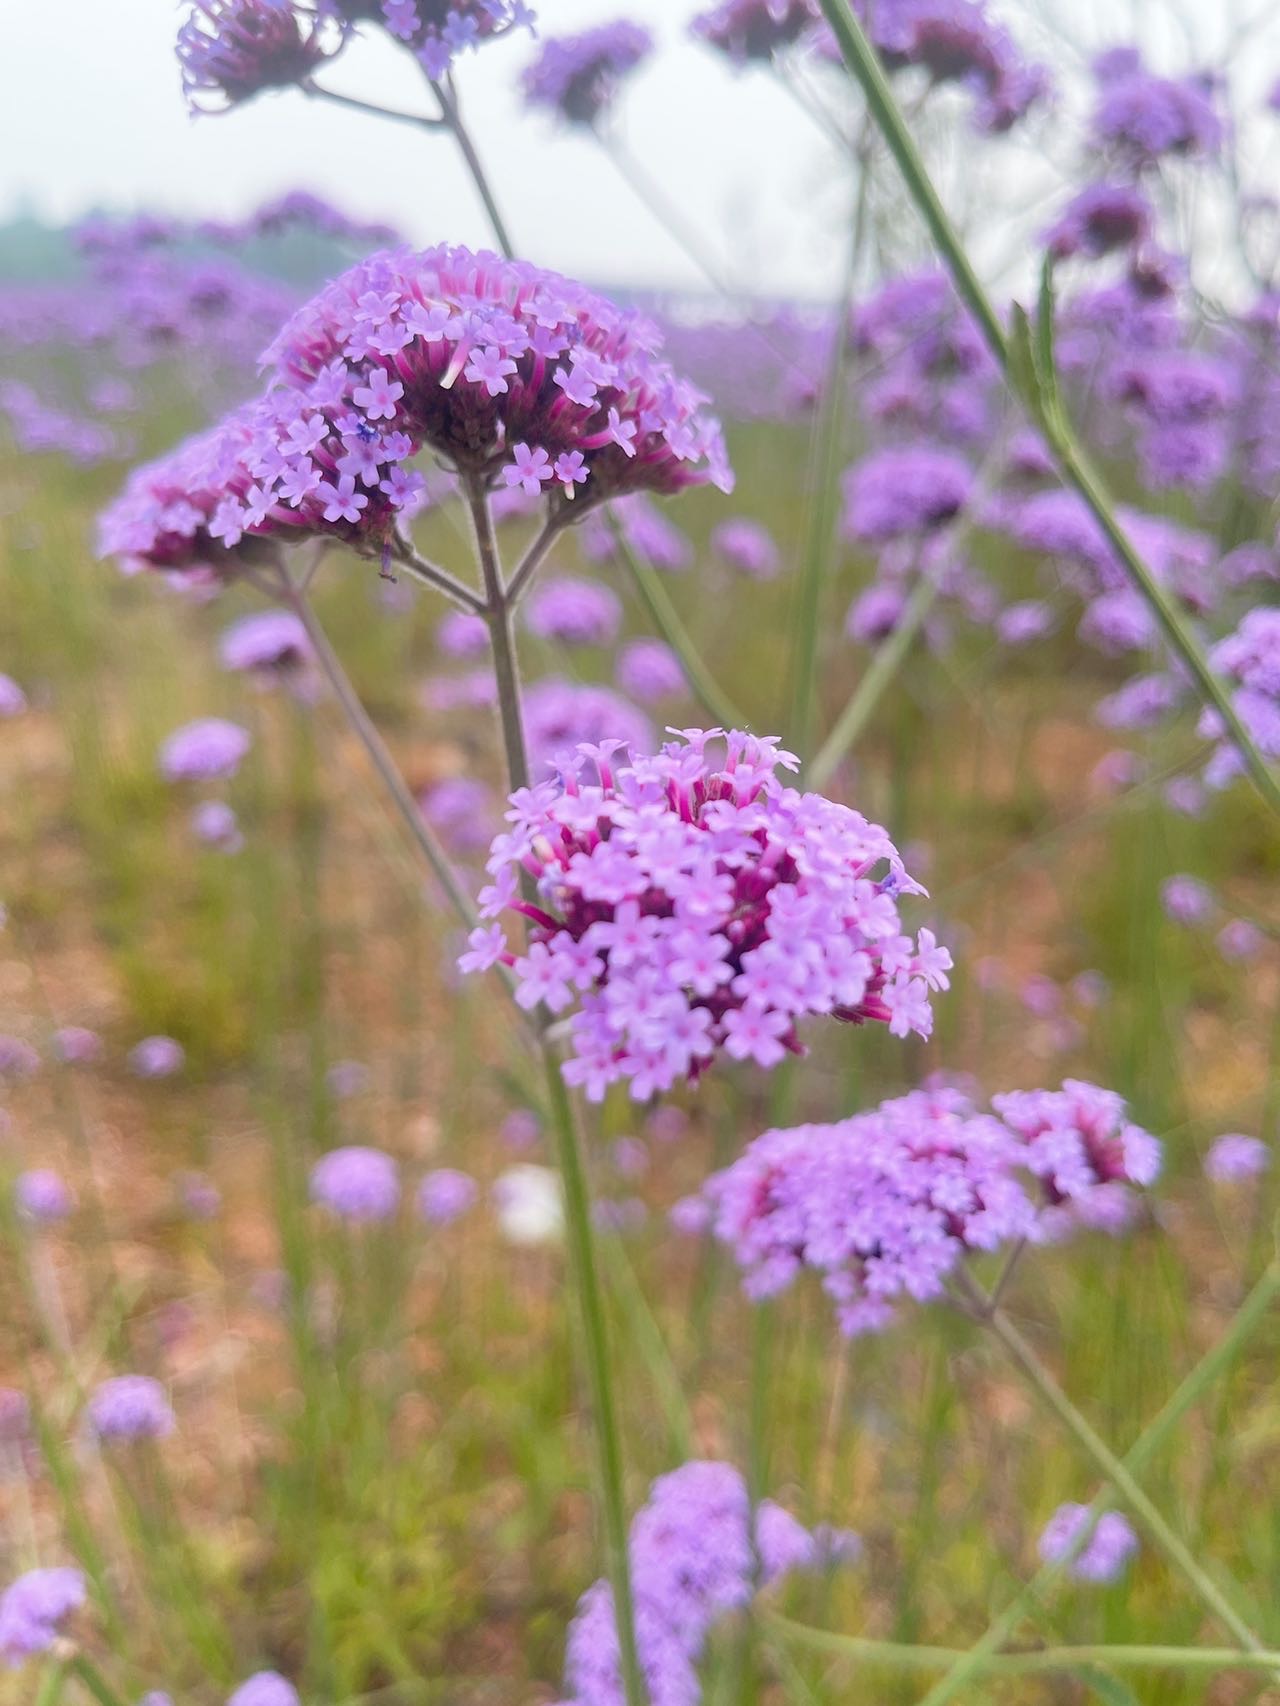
x: 357, y: 1183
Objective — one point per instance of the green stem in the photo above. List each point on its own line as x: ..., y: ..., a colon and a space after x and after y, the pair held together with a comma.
x: 365, y: 731
x: 498, y: 614
x: 657, y: 601
x: 1072, y: 464
x: 1122, y: 1479
x: 883, y: 667
x: 51, y: 1684
x: 1211, y: 1365
x: 895, y: 1655
x: 452, y: 116
x: 645, y: 1334
x: 599, y: 1378
x: 420, y: 121
x: 94, y: 1681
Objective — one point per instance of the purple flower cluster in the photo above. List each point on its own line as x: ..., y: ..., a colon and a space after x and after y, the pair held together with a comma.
x: 266, y: 1688
x: 204, y: 751
x: 1250, y: 660
x: 1105, y: 1554
x: 957, y: 41
x: 561, y: 715
x: 231, y: 50
x: 130, y: 1407
x: 445, y: 1195
x: 436, y: 31
x: 42, y: 1197
x: 1099, y: 220
x: 357, y: 1184
x: 33, y: 1610
x: 755, y: 29
x: 506, y: 372
x: 575, y: 612
x: 267, y: 643
x: 689, y: 904
x: 577, y: 77
x: 1141, y: 118
x: 748, y: 547
x: 887, y: 1204
x: 898, y: 492
x: 1236, y: 1157
x: 649, y: 671
x: 694, y: 1560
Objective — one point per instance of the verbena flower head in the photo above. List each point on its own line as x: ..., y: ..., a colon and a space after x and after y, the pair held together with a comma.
x: 1085, y: 1153
x: 1240, y: 940
x: 690, y: 904
x: 204, y: 751
x: 575, y: 612
x: 956, y: 41
x: 266, y: 1688
x: 157, y: 1057
x: 18, y: 1059
x: 215, y: 824
x: 131, y: 1407
x: 269, y: 642
x: 42, y: 1197
x: 1186, y: 900
x: 1236, y: 1157
x: 33, y: 1610
x: 13, y: 701
x: 649, y: 670
x: 1141, y: 117
x: 884, y: 1206
x: 694, y: 1560
x: 356, y: 1183
x: 747, y: 546
x: 437, y: 31
x: 1103, y: 1557
x: 560, y: 715
x: 755, y: 29
x: 230, y: 50
x: 1099, y: 220
x: 1250, y: 661
x: 76, y: 1045
x: 577, y: 77
x: 446, y: 1195
x: 893, y: 493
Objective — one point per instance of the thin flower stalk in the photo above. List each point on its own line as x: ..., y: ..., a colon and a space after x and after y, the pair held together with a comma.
x: 1034, y: 382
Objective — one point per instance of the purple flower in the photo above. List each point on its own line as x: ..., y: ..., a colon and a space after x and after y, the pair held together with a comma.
x: 266, y: 1688
x: 131, y: 1407
x: 41, y: 1197
x: 560, y: 715
x: 270, y: 642
x: 462, y: 635
x: 17, y: 1058
x: 76, y: 1045
x: 33, y: 1610
x: 1186, y: 900
x: 1249, y: 659
x: 884, y: 1205
x: 1017, y: 624
x: 589, y: 406
x: 436, y: 31
x: 1234, y: 1158
x: 1100, y: 219
x: 1084, y: 1153
x: 1240, y: 940
x: 157, y: 1057
x: 575, y: 612
x: 755, y: 29
x: 446, y: 1195
x: 648, y: 670
x: 461, y: 809
x: 747, y: 546
x: 215, y: 824
x: 1103, y: 1557
x: 688, y: 904
x: 234, y: 49
x: 204, y: 751
x: 520, y: 1129
x: 1141, y: 117
x: 897, y: 492
x: 644, y: 528
x: 13, y: 701
x: 357, y: 1184
x: 577, y: 77
x: 694, y: 1560
x: 875, y: 613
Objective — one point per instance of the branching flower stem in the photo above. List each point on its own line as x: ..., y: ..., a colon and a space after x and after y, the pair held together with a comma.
x: 1035, y: 386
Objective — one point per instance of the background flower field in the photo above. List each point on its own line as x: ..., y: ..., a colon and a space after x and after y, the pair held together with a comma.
x: 372, y: 1469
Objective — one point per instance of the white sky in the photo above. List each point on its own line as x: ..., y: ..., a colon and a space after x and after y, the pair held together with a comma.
x: 91, y: 115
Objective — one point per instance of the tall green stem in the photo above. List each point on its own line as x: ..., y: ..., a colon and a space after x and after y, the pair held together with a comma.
x: 1251, y: 1312
x: 452, y: 115
x: 1122, y: 1479
x: 1072, y: 464
x: 595, y: 1346
x: 498, y: 614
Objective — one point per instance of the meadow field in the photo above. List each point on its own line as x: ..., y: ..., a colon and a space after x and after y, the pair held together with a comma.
x: 378, y: 1277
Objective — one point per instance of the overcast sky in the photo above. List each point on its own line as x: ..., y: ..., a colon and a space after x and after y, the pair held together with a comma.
x: 91, y: 115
